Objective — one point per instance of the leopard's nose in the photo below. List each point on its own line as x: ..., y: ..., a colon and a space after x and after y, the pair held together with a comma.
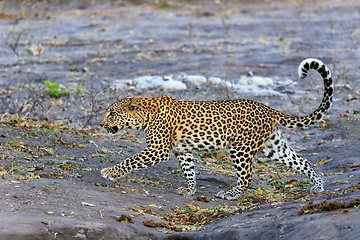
x: 101, y: 125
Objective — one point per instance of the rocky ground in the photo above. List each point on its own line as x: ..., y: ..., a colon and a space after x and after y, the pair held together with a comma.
x: 63, y: 62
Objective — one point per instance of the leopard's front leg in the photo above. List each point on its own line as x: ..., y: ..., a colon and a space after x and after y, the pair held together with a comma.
x: 146, y: 158
x: 186, y: 161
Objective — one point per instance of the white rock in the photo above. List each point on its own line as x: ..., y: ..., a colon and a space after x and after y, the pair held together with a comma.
x: 144, y: 82
x: 173, y: 85
x: 143, y: 79
x: 228, y: 85
x: 255, y: 85
x: 284, y: 82
x: 157, y: 82
x: 215, y: 81
x: 168, y: 77
x: 196, y: 80
x: 255, y: 80
x: 169, y: 83
x: 256, y: 90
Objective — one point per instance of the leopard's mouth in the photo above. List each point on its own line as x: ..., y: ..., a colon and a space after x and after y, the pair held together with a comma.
x: 113, y: 130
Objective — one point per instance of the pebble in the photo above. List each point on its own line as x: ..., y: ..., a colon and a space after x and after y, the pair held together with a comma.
x: 196, y: 80
x: 215, y: 81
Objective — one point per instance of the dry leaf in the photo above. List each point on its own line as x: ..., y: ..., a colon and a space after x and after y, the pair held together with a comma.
x: 124, y: 218
x: 212, y: 160
x: 151, y: 223
x: 74, y: 69
x: 38, y: 51
x: 87, y: 204
x: 191, y: 206
x: 34, y: 50
x: 203, y: 199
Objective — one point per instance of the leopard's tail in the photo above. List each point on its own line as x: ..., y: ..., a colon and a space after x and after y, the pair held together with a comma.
x: 304, y: 67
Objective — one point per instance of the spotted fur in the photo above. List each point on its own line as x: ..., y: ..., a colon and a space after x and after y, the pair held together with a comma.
x: 243, y: 127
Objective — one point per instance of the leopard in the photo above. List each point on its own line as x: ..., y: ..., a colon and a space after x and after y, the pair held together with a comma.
x: 241, y: 127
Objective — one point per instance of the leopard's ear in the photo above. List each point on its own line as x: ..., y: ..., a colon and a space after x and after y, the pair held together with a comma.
x: 132, y: 104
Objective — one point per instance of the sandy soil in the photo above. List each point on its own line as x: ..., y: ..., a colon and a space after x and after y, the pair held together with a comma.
x: 50, y: 181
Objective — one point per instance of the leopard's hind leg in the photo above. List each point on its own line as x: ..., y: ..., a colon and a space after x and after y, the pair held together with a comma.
x: 277, y: 149
x: 242, y: 157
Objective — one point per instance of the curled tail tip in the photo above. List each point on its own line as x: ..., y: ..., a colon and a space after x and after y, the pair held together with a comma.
x: 315, y: 64
x: 304, y: 67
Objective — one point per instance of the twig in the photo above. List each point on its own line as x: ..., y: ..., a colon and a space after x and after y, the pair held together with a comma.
x: 226, y: 27
x: 232, y: 85
x: 92, y: 109
x: 14, y: 46
x: 99, y: 98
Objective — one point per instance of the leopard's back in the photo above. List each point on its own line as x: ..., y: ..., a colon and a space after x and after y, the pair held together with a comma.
x: 214, y: 125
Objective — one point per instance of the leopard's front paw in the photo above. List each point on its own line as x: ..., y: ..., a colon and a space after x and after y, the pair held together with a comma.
x: 185, y: 191
x: 113, y: 173
x: 316, y: 189
x: 106, y: 173
x: 229, y: 195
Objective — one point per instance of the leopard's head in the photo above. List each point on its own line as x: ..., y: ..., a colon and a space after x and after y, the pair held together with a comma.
x: 123, y: 114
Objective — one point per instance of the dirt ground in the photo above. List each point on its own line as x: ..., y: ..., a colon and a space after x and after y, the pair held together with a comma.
x: 51, y: 147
